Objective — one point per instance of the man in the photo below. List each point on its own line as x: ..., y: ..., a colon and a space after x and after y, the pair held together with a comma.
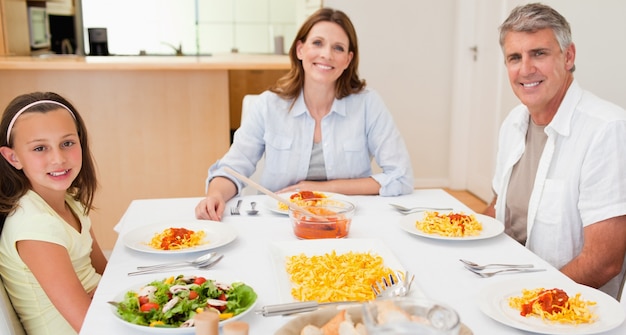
x: 560, y: 179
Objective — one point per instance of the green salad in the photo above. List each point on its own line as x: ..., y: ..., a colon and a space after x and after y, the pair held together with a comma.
x: 173, y: 302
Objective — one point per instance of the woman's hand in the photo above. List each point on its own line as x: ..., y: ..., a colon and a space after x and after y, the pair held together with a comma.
x: 210, y: 208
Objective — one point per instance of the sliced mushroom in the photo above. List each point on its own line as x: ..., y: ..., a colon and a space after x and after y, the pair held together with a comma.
x: 216, y: 302
x: 178, y: 288
x: 170, y: 304
x: 222, y: 286
x: 187, y: 324
x: 147, y: 290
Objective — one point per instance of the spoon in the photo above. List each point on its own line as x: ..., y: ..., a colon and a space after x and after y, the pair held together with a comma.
x: 252, y: 211
x: 196, y: 262
x: 475, y: 266
x: 202, y: 266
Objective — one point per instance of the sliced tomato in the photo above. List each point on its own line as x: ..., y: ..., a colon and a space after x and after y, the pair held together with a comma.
x: 193, y: 295
x: 199, y: 280
x: 147, y: 307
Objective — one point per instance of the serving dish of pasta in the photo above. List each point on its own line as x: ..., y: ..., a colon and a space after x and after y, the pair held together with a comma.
x: 318, y: 284
x: 551, y: 306
x: 179, y: 236
x: 451, y: 225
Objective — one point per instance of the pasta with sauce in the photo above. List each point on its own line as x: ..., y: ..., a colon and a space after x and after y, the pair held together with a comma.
x: 304, y: 199
x: 176, y: 238
x: 452, y: 225
x: 553, y: 305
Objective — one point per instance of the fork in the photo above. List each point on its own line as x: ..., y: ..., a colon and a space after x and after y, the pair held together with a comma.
x: 469, y: 264
x: 409, y: 210
x: 393, y: 288
x: 235, y: 210
x: 491, y: 274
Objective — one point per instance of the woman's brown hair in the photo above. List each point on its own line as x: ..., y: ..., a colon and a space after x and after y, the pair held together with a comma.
x: 290, y: 85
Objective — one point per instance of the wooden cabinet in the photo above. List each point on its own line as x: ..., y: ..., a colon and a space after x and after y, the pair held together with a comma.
x: 60, y: 7
x: 242, y: 82
x: 14, y: 37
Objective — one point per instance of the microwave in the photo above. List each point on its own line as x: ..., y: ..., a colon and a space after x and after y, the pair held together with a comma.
x: 39, y: 27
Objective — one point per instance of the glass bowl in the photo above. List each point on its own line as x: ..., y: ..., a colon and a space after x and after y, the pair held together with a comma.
x: 335, y: 222
x: 406, y: 315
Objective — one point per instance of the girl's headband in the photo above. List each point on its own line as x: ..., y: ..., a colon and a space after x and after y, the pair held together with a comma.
x: 31, y: 105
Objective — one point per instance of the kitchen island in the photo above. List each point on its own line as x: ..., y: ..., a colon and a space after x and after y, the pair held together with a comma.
x: 156, y: 123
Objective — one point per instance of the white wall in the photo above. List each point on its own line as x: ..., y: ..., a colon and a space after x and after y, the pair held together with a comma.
x: 405, y: 50
x: 407, y: 55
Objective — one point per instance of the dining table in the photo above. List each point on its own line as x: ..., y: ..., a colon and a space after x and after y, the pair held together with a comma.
x: 251, y: 258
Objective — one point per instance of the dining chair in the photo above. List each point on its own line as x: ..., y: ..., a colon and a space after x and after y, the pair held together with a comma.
x: 246, y: 108
x: 9, y: 322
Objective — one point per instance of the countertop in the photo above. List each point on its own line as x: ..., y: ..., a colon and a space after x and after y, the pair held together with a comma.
x: 213, y: 62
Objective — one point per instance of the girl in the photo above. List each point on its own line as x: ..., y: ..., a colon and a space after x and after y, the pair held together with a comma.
x: 50, y: 260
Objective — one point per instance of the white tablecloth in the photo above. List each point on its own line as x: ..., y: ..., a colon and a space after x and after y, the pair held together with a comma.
x: 439, y: 274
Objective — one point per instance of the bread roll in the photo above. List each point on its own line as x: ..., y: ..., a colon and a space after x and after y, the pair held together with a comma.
x: 311, y: 330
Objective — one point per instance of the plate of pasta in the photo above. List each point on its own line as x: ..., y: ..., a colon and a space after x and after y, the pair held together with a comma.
x: 300, y: 198
x: 328, y: 270
x: 551, y: 306
x: 451, y: 226
x: 180, y: 236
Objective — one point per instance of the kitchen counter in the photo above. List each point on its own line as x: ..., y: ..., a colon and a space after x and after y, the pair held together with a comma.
x: 156, y: 123
x: 214, y: 62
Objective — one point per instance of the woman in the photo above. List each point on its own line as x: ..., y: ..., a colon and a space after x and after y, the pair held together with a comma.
x: 318, y: 126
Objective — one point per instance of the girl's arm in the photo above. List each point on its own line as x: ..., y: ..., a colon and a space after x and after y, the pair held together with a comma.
x: 98, y: 260
x: 52, y: 267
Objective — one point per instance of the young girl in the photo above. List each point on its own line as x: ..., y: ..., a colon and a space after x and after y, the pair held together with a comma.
x: 50, y: 261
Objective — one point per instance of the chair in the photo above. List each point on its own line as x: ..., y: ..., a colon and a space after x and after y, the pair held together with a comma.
x: 248, y: 101
x: 9, y: 322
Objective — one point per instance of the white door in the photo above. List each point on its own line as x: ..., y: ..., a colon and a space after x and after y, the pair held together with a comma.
x: 476, y: 107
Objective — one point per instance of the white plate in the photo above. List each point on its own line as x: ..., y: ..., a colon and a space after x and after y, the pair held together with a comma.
x: 272, y: 204
x: 216, y: 235
x: 160, y: 330
x: 494, y: 303
x: 281, y: 250
x: 491, y: 227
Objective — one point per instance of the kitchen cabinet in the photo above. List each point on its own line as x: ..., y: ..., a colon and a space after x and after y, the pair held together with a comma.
x: 242, y: 82
x: 60, y: 7
x: 14, y: 37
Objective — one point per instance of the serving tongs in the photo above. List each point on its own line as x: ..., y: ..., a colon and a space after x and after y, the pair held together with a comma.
x: 298, y: 307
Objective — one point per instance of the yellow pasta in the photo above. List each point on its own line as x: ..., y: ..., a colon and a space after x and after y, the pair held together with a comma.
x: 335, y: 277
x: 452, y: 225
x: 553, y: 305
x: 176, y: 238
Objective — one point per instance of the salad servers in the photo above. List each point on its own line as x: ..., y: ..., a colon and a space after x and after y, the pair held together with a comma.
x: 201, y: 266
x: 196, y: 262
x: 472, y: 265
x: 513, y: 270
x: 388, y: 287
